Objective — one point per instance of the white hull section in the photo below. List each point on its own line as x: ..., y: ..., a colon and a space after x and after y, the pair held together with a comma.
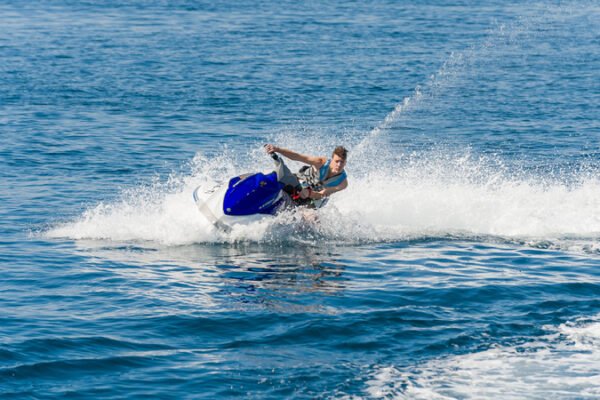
x: 210, y: 204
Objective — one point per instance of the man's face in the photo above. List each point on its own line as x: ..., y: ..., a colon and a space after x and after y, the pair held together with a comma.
x: 337, y: 164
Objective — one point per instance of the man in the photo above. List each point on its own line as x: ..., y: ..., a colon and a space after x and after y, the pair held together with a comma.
x: 314, y: 183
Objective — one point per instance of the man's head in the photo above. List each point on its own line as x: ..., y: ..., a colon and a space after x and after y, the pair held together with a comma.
x: 338, y: 159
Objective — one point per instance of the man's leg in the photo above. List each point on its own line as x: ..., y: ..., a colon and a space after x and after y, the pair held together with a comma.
x: 284, y: 175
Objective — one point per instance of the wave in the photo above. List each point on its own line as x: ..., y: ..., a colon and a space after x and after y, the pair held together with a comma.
x: 562, y: 364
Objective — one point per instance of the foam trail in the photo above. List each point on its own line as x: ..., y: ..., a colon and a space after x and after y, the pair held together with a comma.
x: 167, y: 218
x: 160, y: 212
x: 431, y: 195
x: 472, y: 197
x: 563, y: 364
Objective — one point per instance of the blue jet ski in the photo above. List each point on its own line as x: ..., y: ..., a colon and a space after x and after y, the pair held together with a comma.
x: 247, y: 198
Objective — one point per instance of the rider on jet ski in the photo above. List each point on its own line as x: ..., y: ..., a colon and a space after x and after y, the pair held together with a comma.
x: 312, y: 185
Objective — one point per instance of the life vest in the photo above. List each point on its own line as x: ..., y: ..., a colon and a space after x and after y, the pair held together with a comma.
x: 316, y: 180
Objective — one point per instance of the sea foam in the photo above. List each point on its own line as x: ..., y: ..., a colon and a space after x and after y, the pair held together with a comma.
x: 562, y: 364
x: 422, y: 195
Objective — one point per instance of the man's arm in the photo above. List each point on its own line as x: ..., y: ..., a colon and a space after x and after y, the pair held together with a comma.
x: 318, y: 162
x: 329, y: 191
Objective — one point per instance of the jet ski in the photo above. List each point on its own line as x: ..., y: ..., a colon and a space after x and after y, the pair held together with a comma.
x: 246, y: 198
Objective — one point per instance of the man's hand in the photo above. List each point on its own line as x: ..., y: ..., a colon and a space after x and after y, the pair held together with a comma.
x: 269, y: 148
x: 317, y: 195
x: 317, y: 162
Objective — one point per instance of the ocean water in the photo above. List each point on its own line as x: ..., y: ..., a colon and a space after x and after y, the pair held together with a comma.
x: 462, y: 262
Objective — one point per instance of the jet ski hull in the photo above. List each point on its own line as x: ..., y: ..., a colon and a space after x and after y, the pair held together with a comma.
x: 242, y: 200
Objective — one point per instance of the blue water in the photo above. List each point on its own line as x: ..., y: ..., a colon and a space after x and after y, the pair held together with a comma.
x: 463, y: 260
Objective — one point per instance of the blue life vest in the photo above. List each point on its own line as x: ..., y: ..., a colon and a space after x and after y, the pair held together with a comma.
x: 316, y: 179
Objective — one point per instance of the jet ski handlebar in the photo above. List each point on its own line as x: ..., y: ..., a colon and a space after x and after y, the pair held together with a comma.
x: 273, y: 155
